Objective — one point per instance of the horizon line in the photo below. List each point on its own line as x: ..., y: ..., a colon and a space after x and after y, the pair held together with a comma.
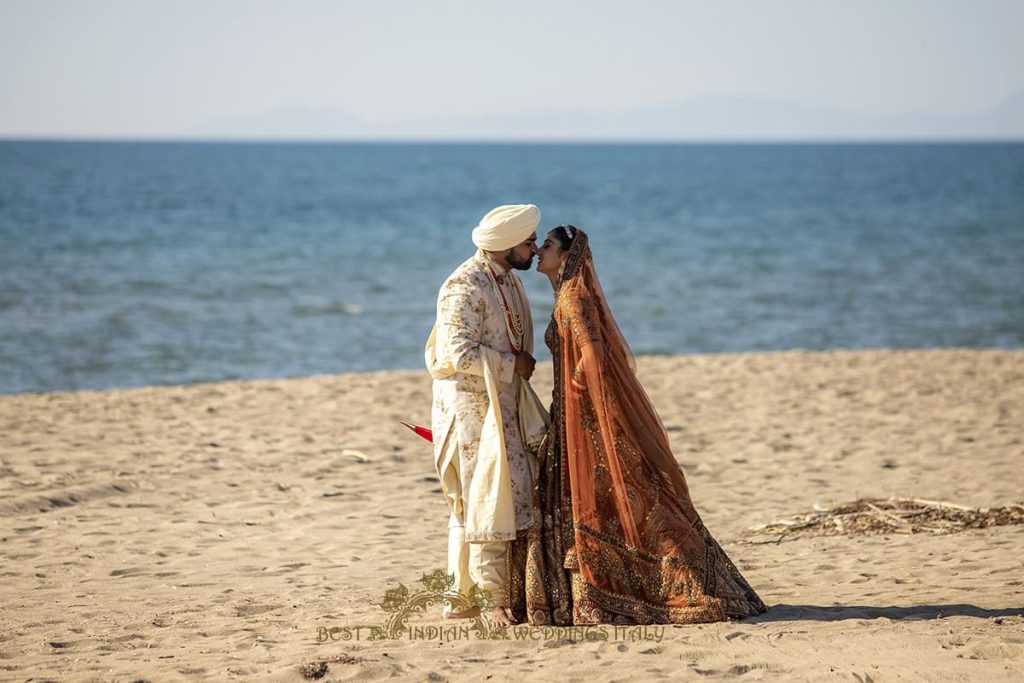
x: 838, y: 140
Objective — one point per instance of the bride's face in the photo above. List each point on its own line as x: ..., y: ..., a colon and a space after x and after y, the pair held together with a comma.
x: 550, y: 255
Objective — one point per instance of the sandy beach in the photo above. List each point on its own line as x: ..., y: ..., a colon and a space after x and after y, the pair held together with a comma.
x: 242, y: 530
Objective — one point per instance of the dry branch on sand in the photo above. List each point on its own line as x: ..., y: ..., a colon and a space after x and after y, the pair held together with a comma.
x: 890, y: 516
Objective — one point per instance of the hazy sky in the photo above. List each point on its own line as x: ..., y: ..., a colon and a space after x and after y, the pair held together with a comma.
x: 145, y: 68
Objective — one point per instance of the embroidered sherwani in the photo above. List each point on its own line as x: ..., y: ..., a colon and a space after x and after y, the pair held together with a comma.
x: 486, y: 473
x: 472, y: 324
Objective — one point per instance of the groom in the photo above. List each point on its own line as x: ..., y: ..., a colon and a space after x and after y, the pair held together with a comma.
x: 478, y: 354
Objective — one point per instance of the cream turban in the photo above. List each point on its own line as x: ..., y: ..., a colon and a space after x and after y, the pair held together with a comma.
x: 506, y: 226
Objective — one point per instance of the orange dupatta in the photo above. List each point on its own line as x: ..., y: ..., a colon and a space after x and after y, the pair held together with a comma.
x: 639, y: 551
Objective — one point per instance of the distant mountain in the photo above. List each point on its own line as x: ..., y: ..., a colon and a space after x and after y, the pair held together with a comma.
x: 707, y: 118
x: 1009, y: 115
x: 286, y: 123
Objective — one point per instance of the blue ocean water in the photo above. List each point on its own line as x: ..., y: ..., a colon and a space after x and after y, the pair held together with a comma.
x: 125, y: 264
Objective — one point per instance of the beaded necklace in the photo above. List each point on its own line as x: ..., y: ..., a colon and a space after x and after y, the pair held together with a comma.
x: 513, y: 321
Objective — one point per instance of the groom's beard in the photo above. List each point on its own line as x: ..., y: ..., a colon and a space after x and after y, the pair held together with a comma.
x: 517, y: 264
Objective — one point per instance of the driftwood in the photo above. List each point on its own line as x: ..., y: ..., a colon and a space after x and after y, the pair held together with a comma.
x: 872, y: 516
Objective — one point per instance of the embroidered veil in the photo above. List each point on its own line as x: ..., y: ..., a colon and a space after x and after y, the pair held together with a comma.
x: 618, y: 539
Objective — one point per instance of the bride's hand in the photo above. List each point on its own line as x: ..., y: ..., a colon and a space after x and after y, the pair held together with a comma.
x: 591, y: 356
x: 577, y: 386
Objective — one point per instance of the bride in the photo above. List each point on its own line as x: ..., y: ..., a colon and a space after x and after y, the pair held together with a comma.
x: 618, y: 539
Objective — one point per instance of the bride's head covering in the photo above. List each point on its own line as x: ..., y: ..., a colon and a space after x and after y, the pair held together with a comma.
x: 506, y: 226
x: 577, y: 280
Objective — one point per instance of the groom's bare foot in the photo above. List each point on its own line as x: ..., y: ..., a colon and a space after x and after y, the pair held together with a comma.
x: 448, y: 613
x: 500, y: 617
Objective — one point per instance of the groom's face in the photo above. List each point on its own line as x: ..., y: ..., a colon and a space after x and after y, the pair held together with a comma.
x: 521, y: 256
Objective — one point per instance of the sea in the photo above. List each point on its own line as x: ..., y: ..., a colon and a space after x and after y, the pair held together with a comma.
x: 162, y: 263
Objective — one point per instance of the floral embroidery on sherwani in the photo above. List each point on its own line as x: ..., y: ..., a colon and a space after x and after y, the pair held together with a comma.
x: 470, y: 316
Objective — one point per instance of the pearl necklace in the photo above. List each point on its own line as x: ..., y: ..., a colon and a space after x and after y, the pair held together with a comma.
x: 513, y: 321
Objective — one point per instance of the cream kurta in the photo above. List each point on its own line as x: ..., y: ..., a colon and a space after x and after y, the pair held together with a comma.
x: 470, y: 325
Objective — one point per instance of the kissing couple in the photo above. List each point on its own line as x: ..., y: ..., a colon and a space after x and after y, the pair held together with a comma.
x: 575, y: 516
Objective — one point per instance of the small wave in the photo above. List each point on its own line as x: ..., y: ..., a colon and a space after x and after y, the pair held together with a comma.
x: 327, y: 309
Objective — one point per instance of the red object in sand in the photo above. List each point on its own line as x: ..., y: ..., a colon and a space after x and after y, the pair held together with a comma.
x: 422, y: 431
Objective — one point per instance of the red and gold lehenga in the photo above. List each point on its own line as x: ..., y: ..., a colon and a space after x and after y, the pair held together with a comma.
x: 617, y: 539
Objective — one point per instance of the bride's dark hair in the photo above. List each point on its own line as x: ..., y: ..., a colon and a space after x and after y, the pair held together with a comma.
x: 565, y: 234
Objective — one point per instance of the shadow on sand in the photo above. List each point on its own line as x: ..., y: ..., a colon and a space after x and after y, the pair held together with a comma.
x: 784, y: 612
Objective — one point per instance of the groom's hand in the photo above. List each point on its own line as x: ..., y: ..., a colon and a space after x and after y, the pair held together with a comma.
x: 525, y: 364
